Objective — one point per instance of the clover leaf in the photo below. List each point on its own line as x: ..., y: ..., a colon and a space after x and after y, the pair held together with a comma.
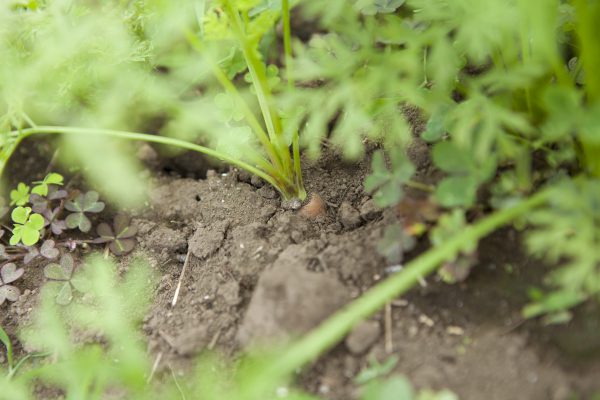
x: 387, y: 184
x: 41, y: 187
x: 27, y: 227
x: 8, y: 274
x: 20, y: 195
x: 120, y: 237
x: 62, y: 274
x: 40, y: 203
x: 47, y: 250
x: 57, y: 226
x: 82, y: 204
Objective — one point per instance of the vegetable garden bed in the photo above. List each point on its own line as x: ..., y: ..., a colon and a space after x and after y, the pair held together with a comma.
x: 405, y: 206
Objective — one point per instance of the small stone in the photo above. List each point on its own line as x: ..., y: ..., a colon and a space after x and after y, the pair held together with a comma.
x: 425, y: 320
x: 369, y: 211
x: 256, y: 181
x: 296, y: 236
x: 455, y: 331
x: 413, y: 331
x: 267, y: 192
x: 349, y: 216
x: 363, y: 336
x: 211, y: 173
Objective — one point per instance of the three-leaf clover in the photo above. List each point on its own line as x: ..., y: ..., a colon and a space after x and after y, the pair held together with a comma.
x: 27, y: 228
x: 63, y: 275
x: 41, y: 187
x: 57, y: 226
x: 41, y: 203
x: 8, y: 274
x: 120, y: 237
x: 387, y: 184
x: 84, y: 203
x: 20, y: 195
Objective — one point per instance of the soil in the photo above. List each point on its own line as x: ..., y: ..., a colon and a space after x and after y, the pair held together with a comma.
x: 257, y: 272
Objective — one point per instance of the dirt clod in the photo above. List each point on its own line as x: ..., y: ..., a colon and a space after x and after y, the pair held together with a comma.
x: 369, y: 211
x: 289, y: 301
x: 349, y: 216
x: 363, y: 336
x: 206, y: 240
x: 230, y: 292
x: 191, y: 341
x: 163, y: 238
x: 267, y: 192
x: 256, y: 181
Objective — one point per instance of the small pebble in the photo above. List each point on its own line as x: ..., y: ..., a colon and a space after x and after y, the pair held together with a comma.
x: 455, y: 331
x: 425, y: 320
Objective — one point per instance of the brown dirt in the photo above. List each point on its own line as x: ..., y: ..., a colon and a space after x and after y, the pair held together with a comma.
x: 256, y: 270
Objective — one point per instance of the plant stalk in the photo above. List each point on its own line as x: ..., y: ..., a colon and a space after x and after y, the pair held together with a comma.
x: 231, y: 89
x: 287, y: 42
x: 261, y: 86
x: 281, y: 185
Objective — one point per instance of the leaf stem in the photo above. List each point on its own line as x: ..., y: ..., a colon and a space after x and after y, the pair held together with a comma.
x: 287, y: 42
x: 261, y: 86
x: 248, y: 114
x: 420, y: 186
x: 155, y: 139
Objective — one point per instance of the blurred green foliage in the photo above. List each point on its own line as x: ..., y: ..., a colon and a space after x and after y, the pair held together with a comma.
x: 95, y: 349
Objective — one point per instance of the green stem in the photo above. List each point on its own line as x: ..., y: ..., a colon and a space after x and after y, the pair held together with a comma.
x: 336, y: 327
x: 248, y: 114
x: 297, y: 167
x: 154, y: 139
x: 287, y: 42
x: 420, y: 186
x: 261, y: 86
